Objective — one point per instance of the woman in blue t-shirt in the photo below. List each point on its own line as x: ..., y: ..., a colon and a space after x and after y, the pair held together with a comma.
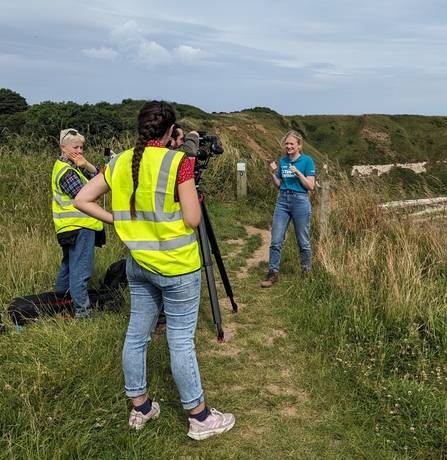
x: 294, y: 177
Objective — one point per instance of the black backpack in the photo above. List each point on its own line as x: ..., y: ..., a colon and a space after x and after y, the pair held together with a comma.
x: 115, y: 276
x: 23, y: 309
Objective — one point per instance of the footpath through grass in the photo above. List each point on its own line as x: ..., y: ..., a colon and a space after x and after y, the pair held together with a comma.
x: 62, y: 388
x: 348, y: 364
x: 62, y: 391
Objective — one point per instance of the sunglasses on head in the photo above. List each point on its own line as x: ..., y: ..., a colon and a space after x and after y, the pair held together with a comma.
x: 72, y: 132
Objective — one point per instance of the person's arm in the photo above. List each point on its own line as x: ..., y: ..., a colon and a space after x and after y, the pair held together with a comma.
x: 191, y: 144
x: 81, y: 162
x: 85, y: 200
x: 276, y: 182
x: 189, y: 203
x: 308, y: 182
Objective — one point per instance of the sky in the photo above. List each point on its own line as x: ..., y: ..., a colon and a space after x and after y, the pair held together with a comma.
x: 295, y: 57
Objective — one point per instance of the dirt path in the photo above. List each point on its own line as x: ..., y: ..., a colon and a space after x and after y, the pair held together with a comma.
x: 261, y: 254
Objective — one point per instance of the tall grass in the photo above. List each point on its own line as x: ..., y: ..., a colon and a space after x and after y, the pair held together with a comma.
x: 385, y: 315
x: 350, y: 363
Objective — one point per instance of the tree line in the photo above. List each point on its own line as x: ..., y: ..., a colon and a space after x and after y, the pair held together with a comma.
x: 44, y: 121
x: 98, y: 122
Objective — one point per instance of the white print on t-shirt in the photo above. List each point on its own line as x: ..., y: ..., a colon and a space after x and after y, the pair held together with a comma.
x: 285, y: 172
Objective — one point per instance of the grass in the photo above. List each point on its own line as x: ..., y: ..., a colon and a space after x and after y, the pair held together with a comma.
x: 350, y: 363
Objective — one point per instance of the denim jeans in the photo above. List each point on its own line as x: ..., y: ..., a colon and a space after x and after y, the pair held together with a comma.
x: 180, y: 296
x: 76, y: 269
x: 296, y: 207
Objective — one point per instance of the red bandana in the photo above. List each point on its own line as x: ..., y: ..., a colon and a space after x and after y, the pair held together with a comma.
x: 155, y: 143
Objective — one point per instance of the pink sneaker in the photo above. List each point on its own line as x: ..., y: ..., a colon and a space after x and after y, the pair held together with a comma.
x: 215, y: 423
x: 138, y: 419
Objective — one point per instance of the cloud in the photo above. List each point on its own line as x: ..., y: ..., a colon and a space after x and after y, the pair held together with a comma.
x: 326, y: 56
x: 152, y: 54
x: 138, y: 47
x: 188, y: 53
x: 127, y: 37
x: 106, y: 54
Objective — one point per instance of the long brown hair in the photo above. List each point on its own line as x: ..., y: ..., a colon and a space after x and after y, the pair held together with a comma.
x: 154, y: 120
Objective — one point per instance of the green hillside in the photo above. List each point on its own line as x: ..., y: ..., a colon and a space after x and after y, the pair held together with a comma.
x: 349, y: 363
x: 346, y: 140
x: 341, y: 141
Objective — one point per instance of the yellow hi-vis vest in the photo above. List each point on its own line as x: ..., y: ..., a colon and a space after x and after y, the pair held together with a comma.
x: 158, y: 239
x: 65, y: 216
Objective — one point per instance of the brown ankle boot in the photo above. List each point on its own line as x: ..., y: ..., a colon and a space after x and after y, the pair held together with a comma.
x: 270, y: 279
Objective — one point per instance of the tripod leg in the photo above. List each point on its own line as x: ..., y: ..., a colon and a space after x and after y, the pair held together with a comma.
x: 208, y: 265
x: 216, y: 252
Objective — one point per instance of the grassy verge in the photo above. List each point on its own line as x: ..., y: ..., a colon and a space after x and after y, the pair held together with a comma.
x: 347, y: 364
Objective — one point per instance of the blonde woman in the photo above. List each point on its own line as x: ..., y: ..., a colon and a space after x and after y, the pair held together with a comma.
x: 294, y: 178
x: 76, y: 232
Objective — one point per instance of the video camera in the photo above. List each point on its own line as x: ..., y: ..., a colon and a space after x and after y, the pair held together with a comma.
x: 210, y: 146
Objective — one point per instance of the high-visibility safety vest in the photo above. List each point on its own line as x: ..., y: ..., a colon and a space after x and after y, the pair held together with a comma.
x: 65, y: 216
x: 158, y: 238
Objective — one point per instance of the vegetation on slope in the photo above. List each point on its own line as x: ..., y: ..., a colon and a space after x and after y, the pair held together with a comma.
x: 350, y: 363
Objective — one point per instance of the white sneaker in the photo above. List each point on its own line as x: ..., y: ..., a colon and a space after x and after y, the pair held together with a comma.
x: 215, y: 423
x: 138, y: 419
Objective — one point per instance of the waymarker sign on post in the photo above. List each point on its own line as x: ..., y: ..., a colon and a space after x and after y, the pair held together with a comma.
x: 241, y: 178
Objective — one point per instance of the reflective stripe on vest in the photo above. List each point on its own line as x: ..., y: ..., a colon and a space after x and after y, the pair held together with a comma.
x: 159, y: 215
x: 58, y: 195
x: 65, y: 216
x: 161, y: 245
x: 158, y: 238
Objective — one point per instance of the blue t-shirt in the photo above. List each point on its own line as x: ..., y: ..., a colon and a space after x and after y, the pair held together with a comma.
x: 290, y: 181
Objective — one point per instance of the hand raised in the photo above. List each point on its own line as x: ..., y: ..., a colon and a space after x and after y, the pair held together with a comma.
x: 77, y: 158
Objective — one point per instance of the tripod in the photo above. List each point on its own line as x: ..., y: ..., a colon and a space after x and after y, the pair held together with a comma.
x: 207, y: 239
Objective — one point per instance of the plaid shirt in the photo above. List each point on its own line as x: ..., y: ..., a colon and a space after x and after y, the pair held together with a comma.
x: 70, y: 182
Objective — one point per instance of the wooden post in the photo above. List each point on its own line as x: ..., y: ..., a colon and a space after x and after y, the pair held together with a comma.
x: 324, y: 203
x: 241, y: 179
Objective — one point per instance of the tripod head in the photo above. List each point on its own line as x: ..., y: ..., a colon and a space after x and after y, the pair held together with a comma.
x: 208, y: 147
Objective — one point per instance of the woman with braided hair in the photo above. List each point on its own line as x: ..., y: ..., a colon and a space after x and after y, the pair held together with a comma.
x: 155, y: 210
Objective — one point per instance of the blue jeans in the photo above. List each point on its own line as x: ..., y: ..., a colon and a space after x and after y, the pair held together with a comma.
x: 180, y: 296
x: 76, y: 269
x: 293, y: 207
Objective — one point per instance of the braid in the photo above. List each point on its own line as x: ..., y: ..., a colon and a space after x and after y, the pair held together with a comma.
x: 154, y: 120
